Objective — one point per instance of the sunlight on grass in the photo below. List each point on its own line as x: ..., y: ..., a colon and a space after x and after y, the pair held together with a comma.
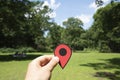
x: 81, y: 66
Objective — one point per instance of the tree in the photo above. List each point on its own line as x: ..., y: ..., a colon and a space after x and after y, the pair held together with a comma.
x: 106, y: 27
x: 13, y: 21
x: 54, y: 35
x: 72, y: 33
x: 38, y: 22
x: 23, y: 23
x: 73, y: 22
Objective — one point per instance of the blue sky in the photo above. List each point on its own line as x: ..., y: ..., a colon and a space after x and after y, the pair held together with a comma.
x: 75, y: 8
x: 82, y: 9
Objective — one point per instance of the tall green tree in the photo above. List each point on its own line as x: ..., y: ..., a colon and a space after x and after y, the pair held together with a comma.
x: 54, y: 35
x: 13, y: 21
x: 72, y: 33
x: 38, y: 23
x: 106, y: 26
x: 23, y: 23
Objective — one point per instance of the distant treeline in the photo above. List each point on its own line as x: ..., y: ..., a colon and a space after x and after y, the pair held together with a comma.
x: 24, y: 23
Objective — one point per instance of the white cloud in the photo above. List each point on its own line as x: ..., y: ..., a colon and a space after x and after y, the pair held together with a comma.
x: 94, y: 6
x: 46, y: 3
x: 52, y: 2
x: 53, y: 14
x: 65, y: 20
x: 53, y: 5
x: 105, y: 1
x: 85, y: 18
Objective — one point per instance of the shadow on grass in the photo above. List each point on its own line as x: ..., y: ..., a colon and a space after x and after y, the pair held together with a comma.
x: 109, y: 64
x: 11, y: 58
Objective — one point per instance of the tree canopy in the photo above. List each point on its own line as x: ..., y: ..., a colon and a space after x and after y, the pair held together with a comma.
x: 72, y: 33
x: 106, y: 27
x: 24, y: 23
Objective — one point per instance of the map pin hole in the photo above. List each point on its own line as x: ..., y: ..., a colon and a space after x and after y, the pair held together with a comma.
x: 62, y: 51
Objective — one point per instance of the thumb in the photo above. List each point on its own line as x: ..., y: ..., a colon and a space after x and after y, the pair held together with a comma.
x: 50, y: 66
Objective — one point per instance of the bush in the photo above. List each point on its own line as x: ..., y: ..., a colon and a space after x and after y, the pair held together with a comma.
x: 6, y: 50
x: 103, y: 47
x: 22, y: 49
x: 26, y: 49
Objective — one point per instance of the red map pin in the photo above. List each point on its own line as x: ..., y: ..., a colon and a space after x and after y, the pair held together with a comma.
x: 63, y: 52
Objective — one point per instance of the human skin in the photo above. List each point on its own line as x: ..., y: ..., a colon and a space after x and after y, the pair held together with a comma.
x: 41, y: 68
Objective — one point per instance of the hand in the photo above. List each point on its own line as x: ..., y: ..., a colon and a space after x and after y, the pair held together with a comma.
x: 41, y: 68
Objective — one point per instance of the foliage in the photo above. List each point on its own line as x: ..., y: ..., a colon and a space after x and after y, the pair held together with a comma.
x: 13, y: 50
x: 5, y: 50
x: 103, y: 45
x: 106, y: 26
x: 39, y: 23
x: 54, y: 35
x: 13, y: 22
x: 101, y: 2
x: 73, y: 22
x: 40, y: 43
x: 72, y: 33
x: 22, y: 23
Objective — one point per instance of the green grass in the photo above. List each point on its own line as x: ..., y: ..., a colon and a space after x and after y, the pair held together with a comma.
x: 82, y: 66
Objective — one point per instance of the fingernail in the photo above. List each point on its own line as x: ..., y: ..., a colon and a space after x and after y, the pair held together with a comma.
x: 56, y: 58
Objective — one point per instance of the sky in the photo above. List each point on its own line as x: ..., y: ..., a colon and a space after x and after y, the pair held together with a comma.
x: 64, y: 9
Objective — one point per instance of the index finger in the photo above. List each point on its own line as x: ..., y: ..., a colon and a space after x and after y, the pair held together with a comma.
x: 42, y: 60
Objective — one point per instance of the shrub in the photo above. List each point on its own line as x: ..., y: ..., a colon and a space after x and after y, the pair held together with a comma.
x: 21, y: 49
x: 7, y: 50
x: 26, y: 49
x: 103, y: 47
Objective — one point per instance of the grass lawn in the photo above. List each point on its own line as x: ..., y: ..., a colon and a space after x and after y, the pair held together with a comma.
x: 82, y: 66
